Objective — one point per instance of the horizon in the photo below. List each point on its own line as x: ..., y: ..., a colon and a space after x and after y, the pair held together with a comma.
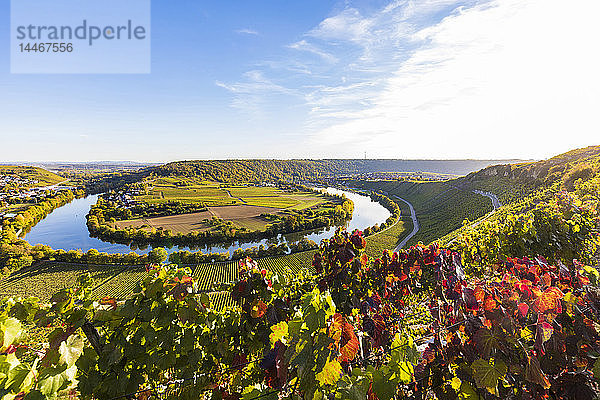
x: 259, y: 159
x: 439, y: 79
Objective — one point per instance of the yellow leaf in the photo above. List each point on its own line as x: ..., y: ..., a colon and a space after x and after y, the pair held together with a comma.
x: 279, y: 332
x: 455, y: 382
x: 331, y: 373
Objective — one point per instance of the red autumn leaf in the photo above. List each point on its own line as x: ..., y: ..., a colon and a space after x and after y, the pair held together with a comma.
x: 523, y: 309
x: 348, y: 344
x: 259, y: 308
x: 335, y: 329
x: 548, y: 300
x: 429, y: 354
x: 524, y: 287
x: 547, y: 279
x: 479, y: 293
x: 109, y: 301
x: 345, y: 339
x: 181, y: 287
x: 489, y: 304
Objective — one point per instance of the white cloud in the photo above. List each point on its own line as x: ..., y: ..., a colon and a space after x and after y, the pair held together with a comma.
x: 349, y: 25
x: 506, y: 78
x: 303, y: 45
x: 247, y: 31
x: 251, y: 95
x: 493, y: 78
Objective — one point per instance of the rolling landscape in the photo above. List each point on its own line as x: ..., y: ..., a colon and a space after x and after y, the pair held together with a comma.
x: 354, y: 285
x: 299, y: 200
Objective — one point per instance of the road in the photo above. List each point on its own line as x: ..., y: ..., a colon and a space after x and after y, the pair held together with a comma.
x: 415, y: 221
x: 495, y: 202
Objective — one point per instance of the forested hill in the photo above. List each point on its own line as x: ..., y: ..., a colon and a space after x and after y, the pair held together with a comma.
x: 270, y: 170
x: 513, y: 181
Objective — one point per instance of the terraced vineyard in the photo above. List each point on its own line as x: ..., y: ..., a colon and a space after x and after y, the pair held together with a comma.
x: 221, y: 300
x: 210, y: 275
x: 389, y: 238
x: 289, y: 264
x: 46, y: 279
x: 122, y: 284
x: 441, y: 207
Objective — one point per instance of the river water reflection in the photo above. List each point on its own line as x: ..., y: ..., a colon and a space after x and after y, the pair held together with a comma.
x: 65, y: 228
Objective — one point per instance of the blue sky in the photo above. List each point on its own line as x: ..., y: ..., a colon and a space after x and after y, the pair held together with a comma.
x: 314, y: 78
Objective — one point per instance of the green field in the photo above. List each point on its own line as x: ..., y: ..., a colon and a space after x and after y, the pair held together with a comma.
x: 189, y: 190
x: 44, y: 178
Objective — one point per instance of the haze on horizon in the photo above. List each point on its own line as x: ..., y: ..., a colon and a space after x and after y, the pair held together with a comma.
x: 428, y: 79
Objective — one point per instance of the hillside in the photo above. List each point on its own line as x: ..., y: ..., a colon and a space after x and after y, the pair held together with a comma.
x: 41, y: 176
x: 514, y: 181
x: 307, y: 170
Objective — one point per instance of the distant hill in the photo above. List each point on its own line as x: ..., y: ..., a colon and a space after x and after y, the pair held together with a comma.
x: 44, y: 178
x: 270, y: 170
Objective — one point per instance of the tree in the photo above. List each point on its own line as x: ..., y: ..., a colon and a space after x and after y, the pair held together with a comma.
x: 157, y: 255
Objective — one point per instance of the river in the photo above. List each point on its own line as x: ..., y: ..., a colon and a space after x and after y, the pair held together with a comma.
x: 65, y: 228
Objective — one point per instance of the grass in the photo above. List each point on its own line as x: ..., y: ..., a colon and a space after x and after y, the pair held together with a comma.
x: 44, y: 178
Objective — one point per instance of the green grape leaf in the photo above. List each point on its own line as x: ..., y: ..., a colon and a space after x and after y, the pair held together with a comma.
x: 596, y: 369
x: 279, y: 332
x: 70, y: 350
x: 11, y: 329
x: 51, y: 381
x: 34, y: 395
x: 20, y: 378
x: 487, y: 374
x: 486, y: 341
x: 467, y: 392
x: 406, y: 371
x: 384, y: 388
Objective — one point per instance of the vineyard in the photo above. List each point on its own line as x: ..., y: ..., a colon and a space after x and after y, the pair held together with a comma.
x: 509, y: 308
x: 390, y: 237
x: 44, y: 280
x: 440, y: 206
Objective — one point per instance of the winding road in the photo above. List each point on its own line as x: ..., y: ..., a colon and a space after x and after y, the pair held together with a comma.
x: 495, y: 202
x: 415, y: 221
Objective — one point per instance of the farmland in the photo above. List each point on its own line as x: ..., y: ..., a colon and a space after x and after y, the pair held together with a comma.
x: 208, y: 193
x: 244, y: 206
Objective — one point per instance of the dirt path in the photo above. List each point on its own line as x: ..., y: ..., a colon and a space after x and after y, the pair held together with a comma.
x: 237, y: 198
